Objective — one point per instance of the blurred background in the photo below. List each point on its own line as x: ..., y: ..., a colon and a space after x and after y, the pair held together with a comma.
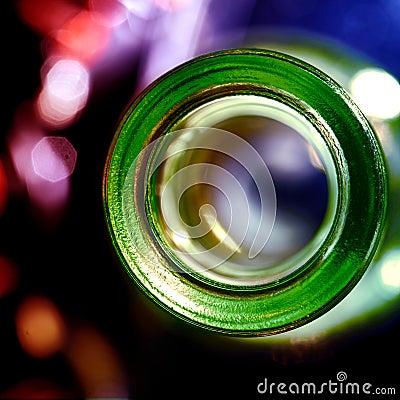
x: 71, y: 324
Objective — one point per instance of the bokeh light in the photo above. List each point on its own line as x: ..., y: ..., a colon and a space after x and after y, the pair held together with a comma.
x: 48, y: 196
x: 3, y: 189
x: 92, y: 55
x: 37, y: 388
x: 97, y: 364
x: 173, y: 39
x: 9, y: 276
x: 65, y: 92
x: 40, y: 327
x: 46, y: 16
x: 390, y: 270
x: 143, y: 9
x: 377, y: 93
x: 21, y: 143
x: 53, y: 158
x: 171, y: 4
x: 109, y: 13
x: 82, y: 37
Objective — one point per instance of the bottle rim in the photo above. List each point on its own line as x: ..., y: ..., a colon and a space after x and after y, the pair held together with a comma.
x: 333, y: 268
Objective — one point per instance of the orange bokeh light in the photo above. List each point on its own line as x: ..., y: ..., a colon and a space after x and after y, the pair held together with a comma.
x: 40, y: 327
x: 96, y: 363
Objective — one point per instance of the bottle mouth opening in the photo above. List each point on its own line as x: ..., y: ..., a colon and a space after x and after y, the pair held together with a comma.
x: 242, y: 191
x: 156, y: 144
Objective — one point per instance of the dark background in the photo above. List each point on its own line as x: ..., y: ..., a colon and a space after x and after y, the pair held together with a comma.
x: 72, y: 262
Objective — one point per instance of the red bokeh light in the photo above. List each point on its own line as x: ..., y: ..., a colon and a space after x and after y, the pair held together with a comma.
x: 46, y: 16
x: 81, y: 38
x: 9, y: 276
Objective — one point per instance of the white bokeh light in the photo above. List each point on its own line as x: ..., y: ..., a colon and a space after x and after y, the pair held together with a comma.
x: 53, y: 158
x: 65, y: 92
x: 390, y: 270
x: 376, y: 92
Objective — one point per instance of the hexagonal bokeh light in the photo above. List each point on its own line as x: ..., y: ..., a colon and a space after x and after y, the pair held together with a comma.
x: 54, y: 158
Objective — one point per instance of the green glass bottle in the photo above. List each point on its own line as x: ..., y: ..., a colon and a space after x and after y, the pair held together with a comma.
x: 376, y: 297
x: 192, y: 207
